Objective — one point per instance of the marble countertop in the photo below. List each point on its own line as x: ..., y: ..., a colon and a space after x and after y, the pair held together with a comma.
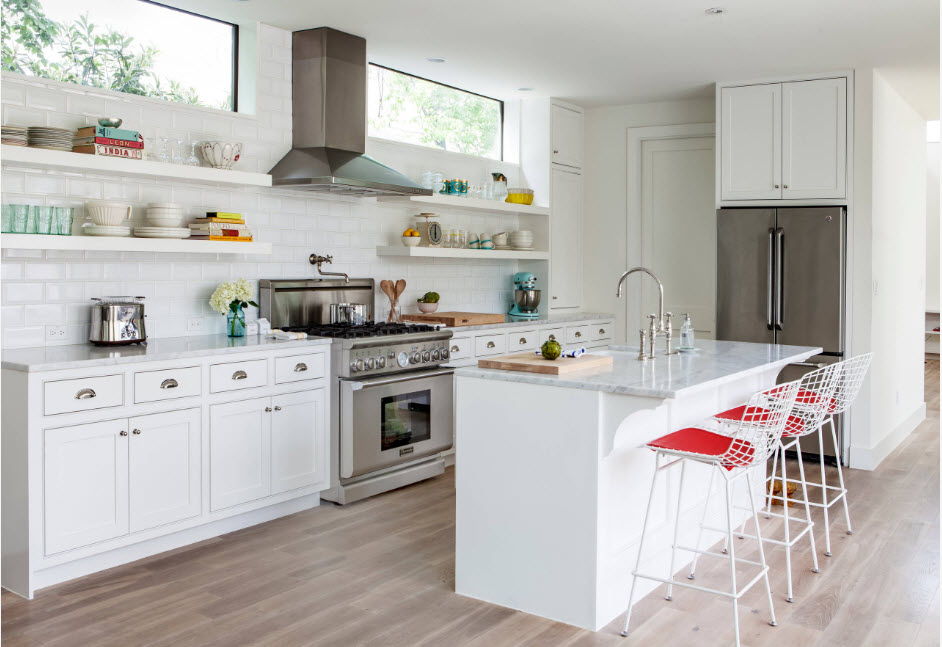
x: 665, y: 376
x: 542, y: 320
x: 57, y: 358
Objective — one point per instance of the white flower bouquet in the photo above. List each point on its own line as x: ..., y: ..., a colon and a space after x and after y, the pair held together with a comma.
x: 229, y: 299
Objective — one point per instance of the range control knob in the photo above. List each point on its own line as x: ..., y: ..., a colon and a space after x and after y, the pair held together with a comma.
x: 426, y: 356
x: 356, y: 366
x: 415, y: 358
x: 370, y: 363
x: 445, y: 353
x: 380, y: 362
x: 436, y: 355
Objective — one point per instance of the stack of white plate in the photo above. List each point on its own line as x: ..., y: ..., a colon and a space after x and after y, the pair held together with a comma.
x: 106, y: 230
x: 55, y: 139
x: 13, y: 135
x: 165, y: 214
x: 162, y: 232
x: 521, y: 240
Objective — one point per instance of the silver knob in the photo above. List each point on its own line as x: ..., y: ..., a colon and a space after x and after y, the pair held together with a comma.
x: 415, y: 358
x: 353, y: 367
x: 277, y: 408
x: 123, y: 433
x: 370, y: 363
x: 436, y: 355
x: 555, y: 151
x: 554, y: 298
x: 445, y: 354
x: 427, y: 356
x: 776, y: 186
x: 267, y: 409
x: 136, y: 432
x: 380, y: 362
x: 784, y: 186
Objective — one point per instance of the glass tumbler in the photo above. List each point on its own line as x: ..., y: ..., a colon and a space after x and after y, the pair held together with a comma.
x: 43, y: 217
x: 6, y: 223
x: 63, y: 221
x: 178, y: 153
x: 20, y: 216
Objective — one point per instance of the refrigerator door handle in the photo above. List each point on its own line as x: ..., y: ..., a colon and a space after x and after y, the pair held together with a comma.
x: 768, y: 284
x: 779, y: 288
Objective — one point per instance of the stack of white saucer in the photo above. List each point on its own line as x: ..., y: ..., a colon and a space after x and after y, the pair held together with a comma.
x: 521, y: 240
x: 164, y: 220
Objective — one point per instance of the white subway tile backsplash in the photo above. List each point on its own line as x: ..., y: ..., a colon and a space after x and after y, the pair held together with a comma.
x: 45, y: 271
x: 45, y: 183
x: 46, y: 99
x: 45, y: 314
x: 15, y: 293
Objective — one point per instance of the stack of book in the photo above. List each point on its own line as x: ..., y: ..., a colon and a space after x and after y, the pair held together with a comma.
x: 220, y: 225
x: 110, y: 142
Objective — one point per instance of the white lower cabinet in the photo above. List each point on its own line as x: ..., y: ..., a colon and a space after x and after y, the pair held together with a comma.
x: 240, y: 452
x: 164, y: 468
x: 296, y: 453
x: 85, y: 484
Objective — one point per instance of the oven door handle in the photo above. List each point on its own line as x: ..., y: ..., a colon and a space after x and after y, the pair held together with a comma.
x: 357, y: 385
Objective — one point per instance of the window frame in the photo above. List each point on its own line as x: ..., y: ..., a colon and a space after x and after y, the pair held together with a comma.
x: 500, y: 103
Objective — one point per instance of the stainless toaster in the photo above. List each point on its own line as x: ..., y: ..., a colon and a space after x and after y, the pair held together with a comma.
x: 117, y: 320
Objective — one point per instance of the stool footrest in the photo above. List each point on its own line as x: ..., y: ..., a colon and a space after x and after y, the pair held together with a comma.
x: 687, y: 585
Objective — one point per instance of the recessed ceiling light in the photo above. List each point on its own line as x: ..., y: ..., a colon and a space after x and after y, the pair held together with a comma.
x: 524, y: 89
x: 714, y: 11
x: 435, y: 59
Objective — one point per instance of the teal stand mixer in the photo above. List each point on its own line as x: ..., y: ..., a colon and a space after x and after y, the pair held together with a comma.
x: 526, y: 296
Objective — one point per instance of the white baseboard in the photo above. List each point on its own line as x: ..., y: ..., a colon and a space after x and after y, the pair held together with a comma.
x: 867, y: 458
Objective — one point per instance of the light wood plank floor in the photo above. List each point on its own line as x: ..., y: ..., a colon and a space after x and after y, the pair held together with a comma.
x: 381, y: 573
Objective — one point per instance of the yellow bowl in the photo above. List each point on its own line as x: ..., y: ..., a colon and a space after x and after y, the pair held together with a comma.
x: 519, y: 198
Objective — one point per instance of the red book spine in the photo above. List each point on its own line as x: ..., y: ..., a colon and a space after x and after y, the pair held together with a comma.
x: 126, y: 143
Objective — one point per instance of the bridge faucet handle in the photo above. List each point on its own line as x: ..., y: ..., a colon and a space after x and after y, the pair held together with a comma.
x: 668, y: 324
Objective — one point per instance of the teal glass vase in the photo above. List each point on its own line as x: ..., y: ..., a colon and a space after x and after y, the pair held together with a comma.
x: 235, y: 322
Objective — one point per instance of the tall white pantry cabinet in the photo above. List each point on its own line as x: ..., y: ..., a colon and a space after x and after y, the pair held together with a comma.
x: 105, y: 464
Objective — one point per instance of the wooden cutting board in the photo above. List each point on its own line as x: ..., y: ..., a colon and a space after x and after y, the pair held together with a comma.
x: 456, y: 319
x: 532, y: 363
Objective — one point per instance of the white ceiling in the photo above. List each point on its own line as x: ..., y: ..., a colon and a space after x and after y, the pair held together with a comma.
x: 603, y: 52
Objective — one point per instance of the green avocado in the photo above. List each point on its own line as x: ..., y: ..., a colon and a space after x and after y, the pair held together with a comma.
x: 551, y: 349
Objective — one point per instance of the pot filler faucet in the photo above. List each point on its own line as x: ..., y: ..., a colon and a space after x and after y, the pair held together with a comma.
x: 317, y: 260
x: 660, y: 322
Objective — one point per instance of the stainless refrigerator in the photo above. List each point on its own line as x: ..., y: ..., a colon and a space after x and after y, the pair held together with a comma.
x: 780, y: 280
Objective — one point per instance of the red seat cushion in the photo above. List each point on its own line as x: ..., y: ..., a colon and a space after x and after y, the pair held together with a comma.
x: 794, y: 426
x: 694, y: 440
x: 804, y: 396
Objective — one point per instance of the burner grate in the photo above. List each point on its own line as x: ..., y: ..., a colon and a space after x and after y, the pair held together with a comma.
x: 371, y: 329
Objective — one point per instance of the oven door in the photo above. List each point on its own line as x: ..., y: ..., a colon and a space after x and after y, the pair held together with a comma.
x: 389, y: 420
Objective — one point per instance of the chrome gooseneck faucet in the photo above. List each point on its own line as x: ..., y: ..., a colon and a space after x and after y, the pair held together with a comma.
x: 660, y: 323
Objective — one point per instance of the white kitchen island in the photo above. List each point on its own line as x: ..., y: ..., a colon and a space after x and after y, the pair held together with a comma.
x: 552, y: 477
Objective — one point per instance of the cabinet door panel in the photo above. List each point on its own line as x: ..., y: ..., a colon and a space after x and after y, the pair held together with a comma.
x: 566, y: 240
x: 164, y: 474
x: 814, y: 139
x: 567, y: 136
x: 85, y: 478
x: 297, y: 436
x: 239, y: 452
x: 750, y: 142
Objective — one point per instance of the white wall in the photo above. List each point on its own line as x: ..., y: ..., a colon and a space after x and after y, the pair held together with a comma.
x: 607, y: 253
x: 932, y: 226
x: 50, y: 287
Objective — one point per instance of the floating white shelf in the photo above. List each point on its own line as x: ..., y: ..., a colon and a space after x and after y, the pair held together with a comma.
x: 470, y: 204
x: 933, y: 332
x: 444, y: 252
x: 81, y: 163
x: 130, y: 244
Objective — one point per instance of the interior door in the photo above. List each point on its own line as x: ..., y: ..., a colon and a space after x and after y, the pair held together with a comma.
x: 239, y: 452
x: 678, y: 229
x: 164, y: 468
x: 751, y: 142
x: 566, y: 240
x: 567, y: 136
x: 85, y: 484
x: 814, y: 139
x: 297, y: 440
x: 744, y: 275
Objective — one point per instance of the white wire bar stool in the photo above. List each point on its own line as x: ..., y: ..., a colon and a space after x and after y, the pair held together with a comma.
x: 731, y: 454
x: 851, y: 377
x: 812, y: 404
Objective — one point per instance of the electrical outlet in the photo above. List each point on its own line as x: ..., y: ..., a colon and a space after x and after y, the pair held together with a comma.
x: 55, y: 333
x: 194, y: 324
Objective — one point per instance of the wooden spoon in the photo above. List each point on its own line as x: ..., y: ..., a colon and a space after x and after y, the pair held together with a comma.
x: 388, y: 288
x: 400, y: 288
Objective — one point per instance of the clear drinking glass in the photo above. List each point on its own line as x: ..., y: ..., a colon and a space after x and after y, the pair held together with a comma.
x: 32, y: 220
x: 20, y: 216
x: 6, y: 222
x: 43, y: 217
x: 178, y: 151
x: 63, y: 221
x: 163, y: 149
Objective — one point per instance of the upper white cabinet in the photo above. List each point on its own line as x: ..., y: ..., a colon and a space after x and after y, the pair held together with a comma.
x: 566, y: 136
x: 783, y: 141
x: 566, y: 240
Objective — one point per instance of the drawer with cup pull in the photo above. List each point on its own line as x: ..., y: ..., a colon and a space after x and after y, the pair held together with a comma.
x: 578, y: 334
x: 232, y: 376
x: 83, y: 394
x: 296, y: 368
x: 166, y: 384
x: 556, y: 334
x: 519, y: 341
x: 460, y: 348
x: 599, y: 331
x: 485, y: 345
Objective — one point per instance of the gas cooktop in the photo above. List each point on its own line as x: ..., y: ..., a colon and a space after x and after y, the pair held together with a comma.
x: 369, y: 329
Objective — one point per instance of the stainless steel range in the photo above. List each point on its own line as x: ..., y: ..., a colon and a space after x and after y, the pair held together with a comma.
x: 391, y: 402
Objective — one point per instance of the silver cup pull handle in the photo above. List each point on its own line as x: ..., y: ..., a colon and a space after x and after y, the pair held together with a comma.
x: 85, y: 394
x: 578, y: 334
x: 239, y: 375
x: 300, y: 367
x: 523, y: 340
x: 601, y: 331
x: 455, y: 349
x: 490, y: 344
x: 169, y: 383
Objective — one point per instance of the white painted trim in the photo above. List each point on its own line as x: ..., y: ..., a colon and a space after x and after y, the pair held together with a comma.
x: 637, y: 136
x: 835, y: 74
x: 868, y: 458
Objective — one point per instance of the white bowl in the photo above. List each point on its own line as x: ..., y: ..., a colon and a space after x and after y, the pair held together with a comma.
x: 164, y: 205
x: 411, y: 241
x: 165, y: 221
x: 427, y: 307
x: 108, y: 214
x: 221, y: 154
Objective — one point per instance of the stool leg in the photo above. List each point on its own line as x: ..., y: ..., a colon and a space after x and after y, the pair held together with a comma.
x: 768, y: 587
x: 824, y: 494
x: 732, y: 558
x: 804, y: 494
x: 768, y: 502
x: 644, y: 527
x: 840, y: 474
x: 788, y: 539
x: 706, y: 507
x: 680, y: 494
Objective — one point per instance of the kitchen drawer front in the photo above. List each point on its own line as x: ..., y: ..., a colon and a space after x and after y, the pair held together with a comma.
x: 521, y: 340
x: 485, y: 345
x: 233, y: 376
x: 83, y: 394
x: 556, y: 334
x: 578, y: 334
x: 460, y: 348
x: 600, y: 331
x: 297, y: 368
x: 167, y: 384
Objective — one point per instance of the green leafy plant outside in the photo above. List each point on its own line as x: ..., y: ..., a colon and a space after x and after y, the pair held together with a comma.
x: 87, y: 54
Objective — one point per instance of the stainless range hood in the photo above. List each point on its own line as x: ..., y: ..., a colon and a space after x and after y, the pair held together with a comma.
x: 329, y: 121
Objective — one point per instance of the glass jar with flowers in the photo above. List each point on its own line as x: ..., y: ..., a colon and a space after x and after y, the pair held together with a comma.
x: 229, y: 299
